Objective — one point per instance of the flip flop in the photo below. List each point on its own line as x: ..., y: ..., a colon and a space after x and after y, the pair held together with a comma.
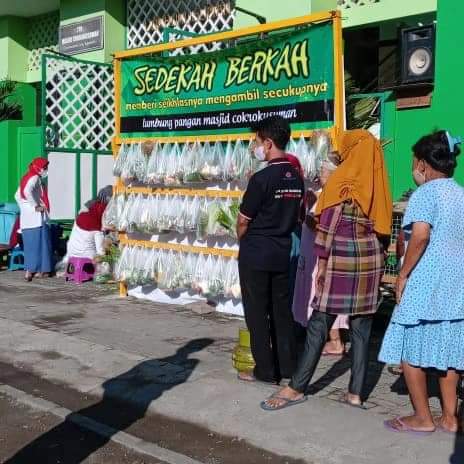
x: 353, y: 405
x: 405, y: 428
x: 395, y: 370
x: 287, y: 403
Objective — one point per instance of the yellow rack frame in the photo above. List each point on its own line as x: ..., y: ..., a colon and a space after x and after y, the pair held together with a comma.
x: 339, y: 113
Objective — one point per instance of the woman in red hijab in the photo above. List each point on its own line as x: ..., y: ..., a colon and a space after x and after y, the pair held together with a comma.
x: 34, y: 206
x: 87, y: 238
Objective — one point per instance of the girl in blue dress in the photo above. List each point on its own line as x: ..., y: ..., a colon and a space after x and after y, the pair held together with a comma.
x: 427, y: 327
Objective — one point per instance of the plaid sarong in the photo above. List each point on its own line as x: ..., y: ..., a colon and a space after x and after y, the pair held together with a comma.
x: 355, y: 261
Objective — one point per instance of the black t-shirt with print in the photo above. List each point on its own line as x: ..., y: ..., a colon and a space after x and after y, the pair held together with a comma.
x: 272, y: 204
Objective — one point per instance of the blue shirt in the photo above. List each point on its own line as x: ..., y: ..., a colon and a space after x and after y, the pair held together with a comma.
x: 435, y: 288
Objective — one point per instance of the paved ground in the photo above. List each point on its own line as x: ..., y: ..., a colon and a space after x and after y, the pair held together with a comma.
x: 169, y: 370
x: 22, y: 425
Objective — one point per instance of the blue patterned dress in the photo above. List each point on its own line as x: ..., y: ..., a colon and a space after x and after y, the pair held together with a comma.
x: 427, y: 327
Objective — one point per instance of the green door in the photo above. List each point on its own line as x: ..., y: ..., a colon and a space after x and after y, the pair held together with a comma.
x: 29, y: 147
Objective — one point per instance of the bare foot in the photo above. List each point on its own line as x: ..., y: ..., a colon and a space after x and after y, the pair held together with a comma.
x: 448, y: 424
x: 413, y: 423
x: 246, y: 377
x: 353, y: 399
x: 28, y: 276
x: 334, y: 348
x: 278, y: 399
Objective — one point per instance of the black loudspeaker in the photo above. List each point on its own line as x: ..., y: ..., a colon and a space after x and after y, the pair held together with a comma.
x: 417, y: 54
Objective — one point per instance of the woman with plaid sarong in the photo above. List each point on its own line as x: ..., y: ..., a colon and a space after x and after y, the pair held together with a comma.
x: 354, y: 210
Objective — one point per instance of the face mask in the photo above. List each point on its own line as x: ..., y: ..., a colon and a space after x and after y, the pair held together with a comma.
x: 44, y: 174
x: 259, y: 153
x: 419, y: 177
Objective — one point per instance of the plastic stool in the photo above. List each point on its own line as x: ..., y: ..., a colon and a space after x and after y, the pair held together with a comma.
x: 16, y: 259
x: 79, y: 270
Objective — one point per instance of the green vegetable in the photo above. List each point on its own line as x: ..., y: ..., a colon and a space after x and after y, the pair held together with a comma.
x: 227, y: 217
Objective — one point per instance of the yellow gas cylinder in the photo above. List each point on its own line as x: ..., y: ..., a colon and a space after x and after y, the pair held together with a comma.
x: 242, y: 359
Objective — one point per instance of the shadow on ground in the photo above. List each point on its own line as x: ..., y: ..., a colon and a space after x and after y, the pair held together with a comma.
x: 141, y: 385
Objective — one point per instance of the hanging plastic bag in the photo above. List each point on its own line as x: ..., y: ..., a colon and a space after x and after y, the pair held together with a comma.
x: 151, y: 177
x: 162, y: 164
x: 110, y: 215
x: 191, y: 208
x: 121, y: 265
x: 145, y: 222
x: 139, y: 163
x: 134, y: 213
x: 217, y: 161
x: 193, y: 164
x: 203, y: 219
x: 123, y: 222
x: 150, y: 215
x: 292, y: 146
x: 232, y: 280
x: 214, y: 208
x: 227, y: 216
x: 216, y: 282
x: 239, y: 164
x: 228, y: 167
x: 312, y: 163
x: 189, y: 266
x: 135, y: 167
x: 249, y: 162
x: 321, y: 143
x: 172, y: 163
x: 120, y: 160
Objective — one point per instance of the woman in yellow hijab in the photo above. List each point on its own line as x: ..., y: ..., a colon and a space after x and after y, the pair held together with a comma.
x: 354, y: 210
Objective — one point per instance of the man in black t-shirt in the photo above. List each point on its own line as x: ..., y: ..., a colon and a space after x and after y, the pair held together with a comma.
x: 268, y: 214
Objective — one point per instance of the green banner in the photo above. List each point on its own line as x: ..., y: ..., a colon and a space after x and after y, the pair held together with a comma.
x: 290, y: 74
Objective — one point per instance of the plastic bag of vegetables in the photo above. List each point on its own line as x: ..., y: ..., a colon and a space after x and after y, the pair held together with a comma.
x: 228, y: 165
x: 232, y: 281
x: 292, y: 147
x: 193, y: 164
x: 135, y: 213
x: 135, y: 167
x: 151, y: 177
x: 120, y: 160
x: 110, y: 216
x: 192, y: 211
x: 216, y: 279
x: 123, y: 223
x: 172, y: 166
x: 227, y: 216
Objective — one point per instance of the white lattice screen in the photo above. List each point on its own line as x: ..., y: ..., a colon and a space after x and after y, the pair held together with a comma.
x: 345, y: 4
x: 43, y: 34
x: 146, y: 20
x: 79, y: 104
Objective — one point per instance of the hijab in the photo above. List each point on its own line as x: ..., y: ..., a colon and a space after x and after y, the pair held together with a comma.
x: 35, y: 168
x: 361, y: 177
x: 91, y: 220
